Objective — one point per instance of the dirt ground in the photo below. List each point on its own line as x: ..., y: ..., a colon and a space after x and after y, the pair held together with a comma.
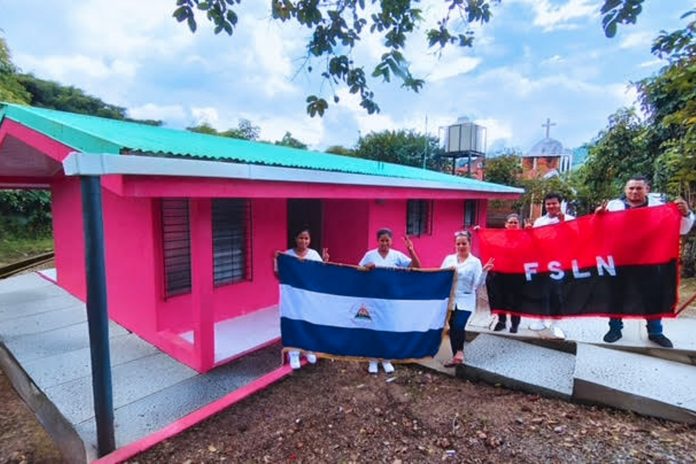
x: 336, y: 412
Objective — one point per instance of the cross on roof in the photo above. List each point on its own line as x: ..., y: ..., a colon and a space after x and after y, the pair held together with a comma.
x: 548, y: 126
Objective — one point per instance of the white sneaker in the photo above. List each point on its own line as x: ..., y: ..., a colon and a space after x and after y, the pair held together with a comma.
x: 294, y: 357
x: 537, y: 325
x: 557, y: 332
x: 387, y: 366
x: 311, y: 358
x: 372, y: 368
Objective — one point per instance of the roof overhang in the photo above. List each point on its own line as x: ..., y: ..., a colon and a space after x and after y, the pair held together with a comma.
x: 98, y: 164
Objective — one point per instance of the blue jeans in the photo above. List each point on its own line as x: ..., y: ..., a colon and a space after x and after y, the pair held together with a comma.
x: 654, y: 326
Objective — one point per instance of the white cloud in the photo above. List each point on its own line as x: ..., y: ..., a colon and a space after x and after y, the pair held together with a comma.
x: 651, y: 63
x: 72, y: 68
x: 495, y: 130
x: 446, y: 68
x: 641, y: 40
x: 159, y: 112
x: 208, y: 115
x: 551, y: 17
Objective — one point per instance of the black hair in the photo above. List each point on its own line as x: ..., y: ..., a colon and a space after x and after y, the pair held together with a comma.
x: 639, y: 178
x: 304, y: 228
x: 512, y: 215
x: 552, y: 195
x: 383, y: 231
x: 462, y: 233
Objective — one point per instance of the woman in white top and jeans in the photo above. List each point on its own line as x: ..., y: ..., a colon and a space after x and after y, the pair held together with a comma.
x: 385, y: 256
x: 470, y: 276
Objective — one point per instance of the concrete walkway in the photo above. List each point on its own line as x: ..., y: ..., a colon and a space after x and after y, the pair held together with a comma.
x: 44, y: 349
x: 633, y: 373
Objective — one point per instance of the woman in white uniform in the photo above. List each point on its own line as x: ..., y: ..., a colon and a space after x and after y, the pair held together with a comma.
x: 470, y: 276
x: 302, y: 251
x: 385, y: 256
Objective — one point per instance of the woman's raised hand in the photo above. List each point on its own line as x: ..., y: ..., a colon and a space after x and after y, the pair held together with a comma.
x: 489, y: 265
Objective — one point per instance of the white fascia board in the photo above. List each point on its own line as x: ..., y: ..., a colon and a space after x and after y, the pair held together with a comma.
x: 96, y: 164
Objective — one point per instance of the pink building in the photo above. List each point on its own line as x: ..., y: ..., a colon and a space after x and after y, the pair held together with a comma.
x: 192, y: 221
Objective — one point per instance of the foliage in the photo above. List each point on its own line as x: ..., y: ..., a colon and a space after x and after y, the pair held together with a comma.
x: 536, y: 189
x: 617, y: 153
x: 52, y: 95
x: 504, y: 169
x: 617, y: 12
x: 25, y: 213
x: 11, y: 90
x: 289, y: 141
x: 337, y: 26
x: 405, y: 147
x: 669, y: 100
x: 245, y: 130
x: 340, y: 150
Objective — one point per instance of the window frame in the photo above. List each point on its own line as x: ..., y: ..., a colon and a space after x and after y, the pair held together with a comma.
x: 243, y: 221
x: 175, y: 216
x: 423, y: 212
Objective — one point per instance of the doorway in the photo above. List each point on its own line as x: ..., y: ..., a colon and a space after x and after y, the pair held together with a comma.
x: 306, y: 213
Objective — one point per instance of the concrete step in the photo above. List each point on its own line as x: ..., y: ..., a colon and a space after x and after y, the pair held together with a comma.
x: 519, y: 365
x: 592, y: 330
x: 635, y: 382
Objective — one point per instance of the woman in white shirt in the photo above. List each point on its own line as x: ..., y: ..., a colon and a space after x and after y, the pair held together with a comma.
x: 385, y: 256
x: 470, y: 276
x: 302, y: 251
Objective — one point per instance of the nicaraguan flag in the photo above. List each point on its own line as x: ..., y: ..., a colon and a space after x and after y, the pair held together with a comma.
x: 344, y: 311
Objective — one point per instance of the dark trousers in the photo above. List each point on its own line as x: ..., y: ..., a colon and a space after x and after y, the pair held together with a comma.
x: 654, y: 326
x: 514, y: 319
x: 457, y: 323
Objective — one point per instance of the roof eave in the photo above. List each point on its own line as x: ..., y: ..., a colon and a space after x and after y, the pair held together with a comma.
x: 98, y: 164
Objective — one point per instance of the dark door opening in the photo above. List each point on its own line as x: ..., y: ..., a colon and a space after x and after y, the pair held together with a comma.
x: 305, y: 213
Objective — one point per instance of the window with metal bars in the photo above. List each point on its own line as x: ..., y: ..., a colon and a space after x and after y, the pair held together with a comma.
x: 176, y: 244
x: 470, y: 213
x: 231, y: 247
x: 419, y: 217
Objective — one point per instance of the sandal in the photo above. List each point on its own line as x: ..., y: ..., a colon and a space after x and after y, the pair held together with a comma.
x: 454, y: 362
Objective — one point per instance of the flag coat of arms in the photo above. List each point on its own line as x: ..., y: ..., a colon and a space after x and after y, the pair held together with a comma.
x: 613, y: 264
x: 383, y: 313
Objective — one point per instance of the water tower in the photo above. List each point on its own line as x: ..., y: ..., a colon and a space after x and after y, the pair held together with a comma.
x: 465, y: 140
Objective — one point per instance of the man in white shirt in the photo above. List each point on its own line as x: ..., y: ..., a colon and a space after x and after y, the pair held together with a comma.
x: 636, y: 196
x: 554, y: 215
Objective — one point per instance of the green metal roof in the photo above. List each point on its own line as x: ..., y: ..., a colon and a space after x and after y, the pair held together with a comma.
x: 90, y: 134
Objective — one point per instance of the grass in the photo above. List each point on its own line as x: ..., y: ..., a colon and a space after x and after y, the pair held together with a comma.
x: 16, y: 249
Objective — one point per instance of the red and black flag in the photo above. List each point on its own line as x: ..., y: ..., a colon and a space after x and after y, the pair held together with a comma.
x: 619, y: 264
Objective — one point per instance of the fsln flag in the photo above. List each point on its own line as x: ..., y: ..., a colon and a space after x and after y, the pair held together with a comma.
x: 341, y: 310
x: 618, y: 264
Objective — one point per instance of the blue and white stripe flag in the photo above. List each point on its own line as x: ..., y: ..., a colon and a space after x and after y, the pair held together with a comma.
x: 343, y: 311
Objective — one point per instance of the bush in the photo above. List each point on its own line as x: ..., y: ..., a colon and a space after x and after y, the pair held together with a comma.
x: 25, y: 213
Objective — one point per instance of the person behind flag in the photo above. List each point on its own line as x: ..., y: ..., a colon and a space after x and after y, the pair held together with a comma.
x: 470, y: 276
x: 385, y: 256
x: 512, y: 222
x: 554, y: 215
x: 636, y: 196
x: 301, y: 250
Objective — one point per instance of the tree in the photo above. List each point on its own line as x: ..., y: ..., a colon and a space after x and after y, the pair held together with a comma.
x: 11, y: 90
x: 338, y: 25
x: 245, y: 130
x: 505, y: 169
x: 406, y: 147
x: 340, y: 150
x: 289, y: 141
x: 618, y: 152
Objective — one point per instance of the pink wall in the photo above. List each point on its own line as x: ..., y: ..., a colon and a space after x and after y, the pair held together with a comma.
x: 130, y: 267
x: 144, y: 186
x: 268, y: 231
x: 345, y: 229
x: 448, y: 217
x: 68, y: 235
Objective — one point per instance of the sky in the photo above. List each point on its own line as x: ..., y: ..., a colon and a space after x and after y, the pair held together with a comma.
x: 536, y: 59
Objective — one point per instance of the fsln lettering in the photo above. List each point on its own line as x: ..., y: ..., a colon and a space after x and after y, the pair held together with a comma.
x: 605, y: 267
